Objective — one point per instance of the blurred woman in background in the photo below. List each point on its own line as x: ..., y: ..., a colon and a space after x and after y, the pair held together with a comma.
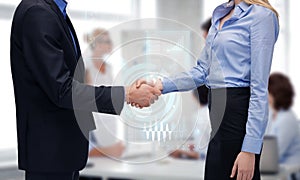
x: 104, y: 140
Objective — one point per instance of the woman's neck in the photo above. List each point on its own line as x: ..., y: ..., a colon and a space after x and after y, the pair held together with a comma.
x: 237, y: 1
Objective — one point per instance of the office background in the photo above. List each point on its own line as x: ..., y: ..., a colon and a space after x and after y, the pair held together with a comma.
x: 89, y: 14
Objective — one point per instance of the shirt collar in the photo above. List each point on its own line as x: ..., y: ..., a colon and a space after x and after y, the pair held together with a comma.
x: 243, y: 6
x: 224, y: 8
x: 221, y: 10
x: 229, y: 4
x: 62, y: 5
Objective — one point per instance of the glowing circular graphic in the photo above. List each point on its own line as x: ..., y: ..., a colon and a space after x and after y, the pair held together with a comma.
x: 150, y: 49
x: 162, y: 109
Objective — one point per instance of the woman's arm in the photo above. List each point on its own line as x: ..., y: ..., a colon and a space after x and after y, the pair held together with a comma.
x: 186, y: 81
x: 263, y: 35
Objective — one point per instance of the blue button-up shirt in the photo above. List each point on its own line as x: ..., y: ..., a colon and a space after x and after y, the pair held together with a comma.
x: 62, y: 5
x: 237, y: 55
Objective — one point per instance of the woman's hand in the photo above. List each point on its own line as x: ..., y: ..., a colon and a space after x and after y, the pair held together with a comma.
x: 244, y: 166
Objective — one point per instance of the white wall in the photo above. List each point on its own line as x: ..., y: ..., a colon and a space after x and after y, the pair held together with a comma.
x: 294, y: 61
x: 7, y: 107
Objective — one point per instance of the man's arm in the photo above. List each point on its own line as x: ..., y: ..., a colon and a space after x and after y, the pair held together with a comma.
x: 45, y: 59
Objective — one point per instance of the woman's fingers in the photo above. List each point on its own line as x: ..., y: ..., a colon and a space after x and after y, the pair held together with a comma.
x: 140, y: 82
x: 233, y: 171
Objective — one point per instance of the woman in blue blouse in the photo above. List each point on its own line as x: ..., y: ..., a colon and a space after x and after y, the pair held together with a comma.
x: 235, y: 65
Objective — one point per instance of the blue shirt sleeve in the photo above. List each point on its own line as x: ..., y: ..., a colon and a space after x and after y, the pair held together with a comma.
x: 186, y: 81
x: 263, y: 35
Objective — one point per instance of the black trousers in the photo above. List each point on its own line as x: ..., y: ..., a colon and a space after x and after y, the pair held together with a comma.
x: 228, y: 115
x: 51, y: 176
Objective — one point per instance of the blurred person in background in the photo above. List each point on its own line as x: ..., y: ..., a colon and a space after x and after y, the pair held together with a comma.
x: 205, y: 27
x: 283, y: 123
x: 101, y: 46
x: 98, y: 72
x: 201, y: 133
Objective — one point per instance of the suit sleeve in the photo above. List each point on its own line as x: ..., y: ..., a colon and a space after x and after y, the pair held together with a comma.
x: 45, y: 58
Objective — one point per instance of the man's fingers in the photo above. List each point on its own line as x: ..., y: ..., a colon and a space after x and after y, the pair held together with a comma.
x: 136, y: 105
x: 152, y: 101
x: 233, y: 172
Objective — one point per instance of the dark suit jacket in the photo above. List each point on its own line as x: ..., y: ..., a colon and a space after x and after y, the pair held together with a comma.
x: 53, y: 105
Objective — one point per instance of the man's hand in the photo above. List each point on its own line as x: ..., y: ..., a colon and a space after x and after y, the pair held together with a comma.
x: 143, y: 96
x: 243, y: 166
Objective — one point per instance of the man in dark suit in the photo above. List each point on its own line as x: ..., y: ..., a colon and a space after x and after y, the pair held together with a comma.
x: 53, y: 105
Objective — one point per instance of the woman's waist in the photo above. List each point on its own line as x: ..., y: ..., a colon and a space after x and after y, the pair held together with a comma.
x: 231, y: 94
x: 216, y: 82
x: 230, y: 88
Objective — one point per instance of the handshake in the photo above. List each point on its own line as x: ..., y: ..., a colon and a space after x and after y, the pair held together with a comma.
x: 143, y: 93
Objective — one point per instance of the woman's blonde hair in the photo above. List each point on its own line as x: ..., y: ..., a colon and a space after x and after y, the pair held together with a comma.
x: 264, y: 3
x: 95, y: 36
x: 96, y: 33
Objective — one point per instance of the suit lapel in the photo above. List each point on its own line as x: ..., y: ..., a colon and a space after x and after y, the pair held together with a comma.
x: 67, y: 25
x: 70, y: 25
x: 80, y: 65
x: 64, y: 24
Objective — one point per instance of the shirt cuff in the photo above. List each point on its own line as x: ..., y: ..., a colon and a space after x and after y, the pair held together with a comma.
x: 90, y: 147
x: 252, y: 145
x: 168, y: 86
